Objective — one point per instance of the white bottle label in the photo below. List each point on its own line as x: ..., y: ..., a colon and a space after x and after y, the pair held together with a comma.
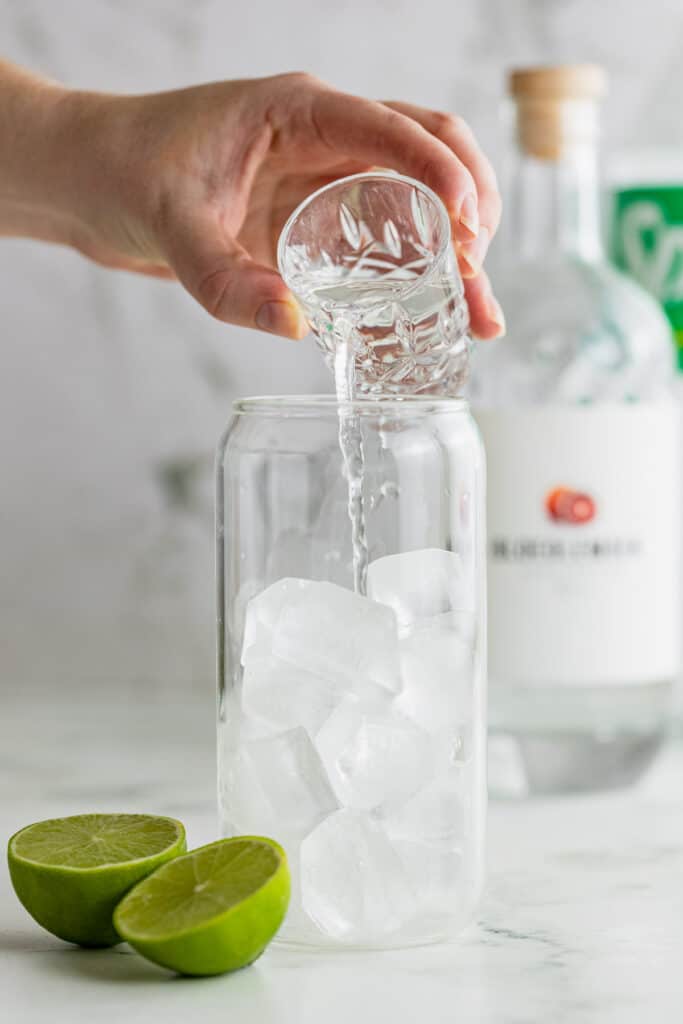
x: 583, y: 541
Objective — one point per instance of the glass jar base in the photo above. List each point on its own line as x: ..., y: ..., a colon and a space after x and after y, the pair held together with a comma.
x: 410, y: 942
x: 427, y: 933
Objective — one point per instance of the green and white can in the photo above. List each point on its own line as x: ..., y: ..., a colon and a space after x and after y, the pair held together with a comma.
x: 646, y: 236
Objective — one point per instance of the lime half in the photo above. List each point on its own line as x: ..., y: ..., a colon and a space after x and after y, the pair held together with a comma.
x: 70, y: 873
x: 213, y: 910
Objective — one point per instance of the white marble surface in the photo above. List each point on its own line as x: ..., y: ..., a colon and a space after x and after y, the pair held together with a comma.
x: 582, y: 923
x: 113, y: 389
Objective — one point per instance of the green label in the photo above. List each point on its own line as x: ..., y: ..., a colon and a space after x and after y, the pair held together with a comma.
x: 647, y: 242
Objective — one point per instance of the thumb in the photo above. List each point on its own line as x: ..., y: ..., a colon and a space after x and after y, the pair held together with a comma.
x: 219, y: 273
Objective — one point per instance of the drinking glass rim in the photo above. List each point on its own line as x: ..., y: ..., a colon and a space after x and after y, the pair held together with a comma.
x: 444, y: 221
x: 310, y: 405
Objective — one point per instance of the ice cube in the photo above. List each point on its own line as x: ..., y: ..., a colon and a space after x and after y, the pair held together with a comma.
x: 437, y: 671
x: 284, y: 695
x: 354, y: 884
x: 373, y: 754
x: 327, y: 630
x: 435, y: 874
x: 295, y: 920
x: 341, y: 635
x: 297, y: 926
x: 264, y: 610
x: 419, y: 584
x: 276, y: 784
x: 435, y: 814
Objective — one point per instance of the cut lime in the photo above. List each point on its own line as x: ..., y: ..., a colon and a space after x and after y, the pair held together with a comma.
x: 70, y: 873
x: 213, y: 910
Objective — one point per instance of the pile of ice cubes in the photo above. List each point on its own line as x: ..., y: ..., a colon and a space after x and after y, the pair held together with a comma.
x: 347, y: 742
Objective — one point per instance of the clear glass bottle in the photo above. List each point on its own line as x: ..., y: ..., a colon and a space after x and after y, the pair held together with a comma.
x: 352, y: 728
x: 581, y: 434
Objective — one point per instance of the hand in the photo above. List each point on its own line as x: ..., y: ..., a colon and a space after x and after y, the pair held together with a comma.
x: 197, y: 184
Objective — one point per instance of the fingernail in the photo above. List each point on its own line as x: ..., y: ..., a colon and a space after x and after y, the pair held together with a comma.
x: 282, y: 318
x: 473, y: 253
x: 469, y: 214
x: 495, y: 314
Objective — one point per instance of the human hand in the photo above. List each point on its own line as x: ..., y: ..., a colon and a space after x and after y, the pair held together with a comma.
x: 196, y: 184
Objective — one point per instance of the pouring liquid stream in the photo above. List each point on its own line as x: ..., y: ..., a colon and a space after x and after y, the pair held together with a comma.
x: 351, y: 447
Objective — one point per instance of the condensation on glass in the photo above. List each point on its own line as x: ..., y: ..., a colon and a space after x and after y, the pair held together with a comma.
x: 352, y: 728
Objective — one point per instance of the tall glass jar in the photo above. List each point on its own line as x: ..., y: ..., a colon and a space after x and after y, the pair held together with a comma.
x: 352, y: 727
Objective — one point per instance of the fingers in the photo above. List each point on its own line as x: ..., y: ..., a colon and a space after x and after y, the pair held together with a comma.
x: 218, y: 272
x: 486, y: 317
x: 233, y: 288
x: 456, y: 134
x: 381, y: 135
x: 438, y: 149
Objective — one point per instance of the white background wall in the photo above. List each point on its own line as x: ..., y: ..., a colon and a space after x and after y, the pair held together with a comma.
x: 113, y: 390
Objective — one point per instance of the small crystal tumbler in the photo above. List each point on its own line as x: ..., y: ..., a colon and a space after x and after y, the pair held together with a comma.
x: 371, y: 261
x: 352, y: 727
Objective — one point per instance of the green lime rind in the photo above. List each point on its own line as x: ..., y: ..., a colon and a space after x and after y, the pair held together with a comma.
x: 211, y: 911
x: 70, y: 873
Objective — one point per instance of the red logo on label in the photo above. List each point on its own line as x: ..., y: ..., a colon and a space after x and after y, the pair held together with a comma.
x: 567, y: 506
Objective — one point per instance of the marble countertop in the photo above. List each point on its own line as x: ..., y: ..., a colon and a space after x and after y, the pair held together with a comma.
x: 582, y: 922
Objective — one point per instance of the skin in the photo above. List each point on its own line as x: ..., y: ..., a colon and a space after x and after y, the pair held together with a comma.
x: 196, y: 184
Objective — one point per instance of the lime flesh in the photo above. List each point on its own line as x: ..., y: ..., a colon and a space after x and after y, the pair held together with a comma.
x: 211, y: 911
x: 70, y: 873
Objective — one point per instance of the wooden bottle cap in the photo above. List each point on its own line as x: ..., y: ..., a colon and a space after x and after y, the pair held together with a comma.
x: 551, y: 106
x: 561, y: 82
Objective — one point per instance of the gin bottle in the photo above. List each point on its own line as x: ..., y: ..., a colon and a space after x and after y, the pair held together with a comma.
x: 576, y: 411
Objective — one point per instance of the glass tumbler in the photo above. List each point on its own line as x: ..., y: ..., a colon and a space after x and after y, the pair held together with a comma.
x: 370, y: 259
x: 352, y: 727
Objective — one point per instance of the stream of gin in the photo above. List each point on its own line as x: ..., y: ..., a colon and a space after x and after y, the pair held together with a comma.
x: 435, y: 362
x: 351, y: 446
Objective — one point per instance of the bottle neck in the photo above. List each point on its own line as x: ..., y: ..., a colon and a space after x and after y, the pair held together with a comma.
x: 554, y: 203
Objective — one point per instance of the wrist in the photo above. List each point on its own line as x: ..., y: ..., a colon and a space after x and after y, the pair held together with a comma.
x: 58, y: 169
x: 65, y: 161
x: 97, y: 186
x: 28, y: 121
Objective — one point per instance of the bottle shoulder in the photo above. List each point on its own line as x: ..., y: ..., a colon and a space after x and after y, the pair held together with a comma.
x: 594, y: 291
x: 576, y: 331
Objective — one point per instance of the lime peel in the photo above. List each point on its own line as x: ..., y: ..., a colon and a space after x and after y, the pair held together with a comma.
x: 70, y: 873
x: 210, y: 911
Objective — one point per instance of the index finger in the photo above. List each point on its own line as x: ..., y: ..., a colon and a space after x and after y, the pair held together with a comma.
x: 373, y: 133
x: 455, y: 133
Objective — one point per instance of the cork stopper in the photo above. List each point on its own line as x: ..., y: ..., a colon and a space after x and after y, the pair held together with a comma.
x: 556, y: 107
